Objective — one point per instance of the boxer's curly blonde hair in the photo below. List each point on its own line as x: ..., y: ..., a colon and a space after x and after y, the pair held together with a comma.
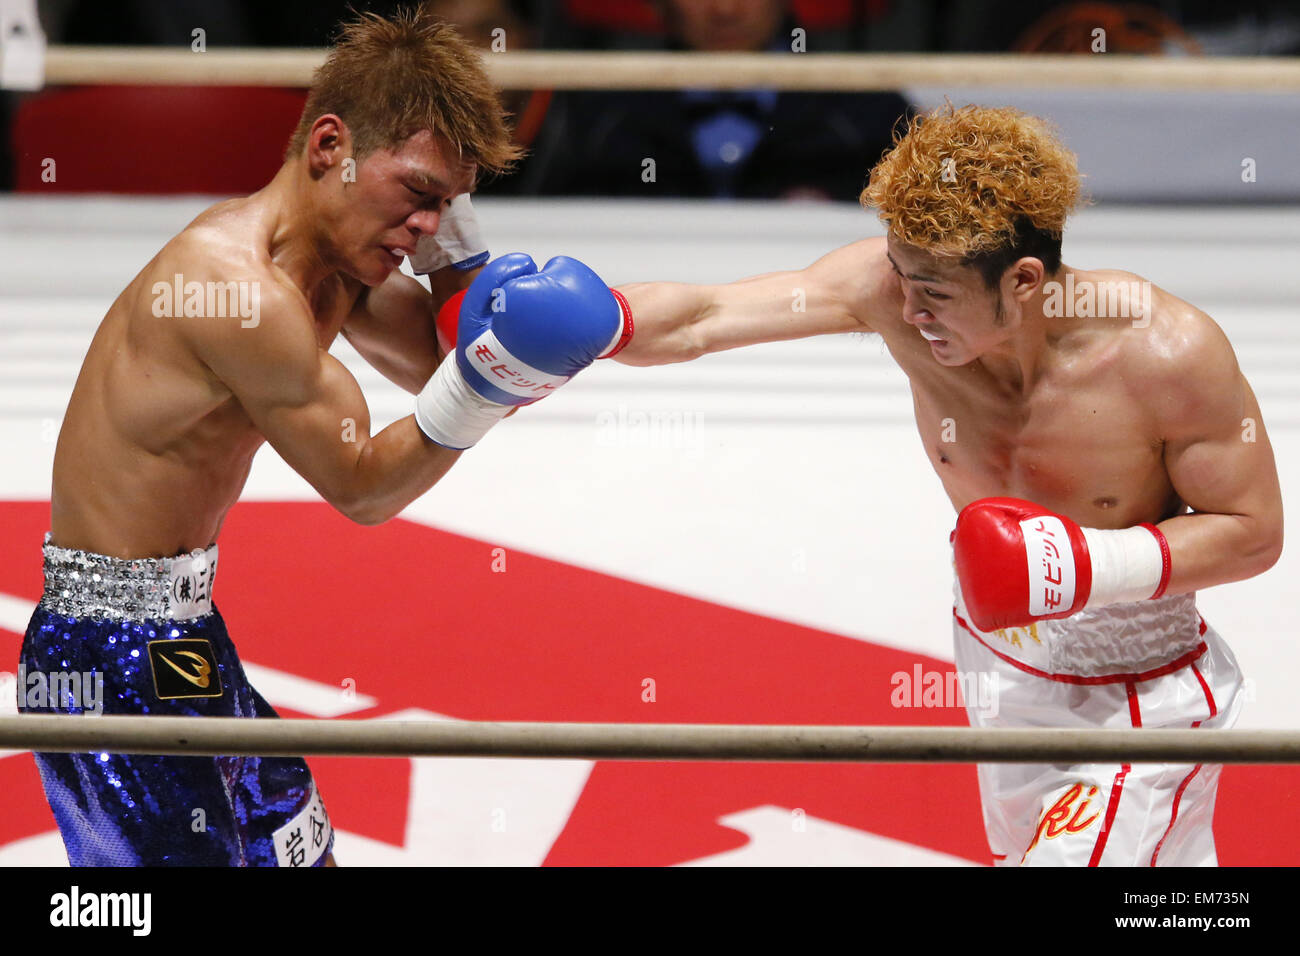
x: 389, y: 78
x: 987, y: 186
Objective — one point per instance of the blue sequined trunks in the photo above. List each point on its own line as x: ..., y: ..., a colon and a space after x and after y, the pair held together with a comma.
x: 140, y: 810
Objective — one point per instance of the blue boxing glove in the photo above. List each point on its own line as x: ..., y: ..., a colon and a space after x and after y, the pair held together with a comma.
x: 520, y: 334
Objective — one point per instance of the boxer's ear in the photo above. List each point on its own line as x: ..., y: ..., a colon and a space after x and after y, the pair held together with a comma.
x: 1025, y: 277
x: 329, y: 142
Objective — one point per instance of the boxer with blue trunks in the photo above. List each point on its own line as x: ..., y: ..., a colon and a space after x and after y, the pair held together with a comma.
x: 221, y: 344
x: 151, y: 629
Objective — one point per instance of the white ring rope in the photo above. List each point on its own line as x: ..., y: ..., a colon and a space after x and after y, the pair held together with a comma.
x: 382, y: 738
x: 571, y: 70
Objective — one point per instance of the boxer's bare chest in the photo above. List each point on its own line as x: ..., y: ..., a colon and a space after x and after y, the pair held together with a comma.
x: 154, y: 449
x: 1076, y: 440
x: 182, y: 402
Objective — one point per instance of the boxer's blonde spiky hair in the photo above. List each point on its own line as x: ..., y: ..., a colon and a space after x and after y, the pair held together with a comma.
x: 389, y: 78
x: 977, y: 184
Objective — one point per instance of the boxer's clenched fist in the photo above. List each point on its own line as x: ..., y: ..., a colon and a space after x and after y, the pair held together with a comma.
x: 1018, y: 563
x: 519, y: 334
x: 448, y: 322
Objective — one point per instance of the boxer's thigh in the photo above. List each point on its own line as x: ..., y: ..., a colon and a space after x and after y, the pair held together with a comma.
x: 119, y: 809
x: 124, y: 809
x: 1128, y: 815
x: 140, y: 810
x: 1045, y: 814
x: 1167, y: 813
x: 1011, y: 794
x: 281, y: 815
x: 1154, y: 814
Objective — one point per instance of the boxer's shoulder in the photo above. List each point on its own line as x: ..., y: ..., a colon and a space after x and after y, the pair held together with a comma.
x: 860, y: 276
x: 202, y: 254
x: 1175, y: 337
x: 226, y: 236
x: 1144, y: 324
x: 249, y: 319
x: 1178, y: 358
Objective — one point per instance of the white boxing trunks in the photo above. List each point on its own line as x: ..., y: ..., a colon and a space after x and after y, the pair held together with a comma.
x: 1146, y: 664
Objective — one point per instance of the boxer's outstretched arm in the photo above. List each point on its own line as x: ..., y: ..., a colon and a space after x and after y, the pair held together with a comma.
x: 1221, y: 464
x: 676, y: 322
x: 311, y: 410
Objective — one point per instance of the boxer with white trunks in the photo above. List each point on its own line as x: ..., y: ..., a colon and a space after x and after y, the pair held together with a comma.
x: 1106, y: 455
x: 175, y: 396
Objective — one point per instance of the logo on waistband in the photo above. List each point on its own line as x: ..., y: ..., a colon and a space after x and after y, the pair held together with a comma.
x: 191, y: 586
x: 184, y: 668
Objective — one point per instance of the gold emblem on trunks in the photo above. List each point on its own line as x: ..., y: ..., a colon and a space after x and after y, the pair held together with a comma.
x: 185, y: 667
x: 200, y: 679
x: 1012, y: 635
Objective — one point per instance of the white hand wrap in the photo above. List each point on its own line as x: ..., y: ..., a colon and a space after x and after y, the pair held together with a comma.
x: 458, y: 241
x: 453, y: 414
x: 1127, y: 565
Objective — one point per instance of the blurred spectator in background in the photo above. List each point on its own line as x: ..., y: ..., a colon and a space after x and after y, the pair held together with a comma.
x: 1241, y: 28
x: 1106, y: 28
x: 499, y: 25
x: 759, y: 144
x: 751, y: 144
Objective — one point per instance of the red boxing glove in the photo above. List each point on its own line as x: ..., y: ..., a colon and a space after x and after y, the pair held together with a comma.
x: 449, y: 320
x: 1018, y: 562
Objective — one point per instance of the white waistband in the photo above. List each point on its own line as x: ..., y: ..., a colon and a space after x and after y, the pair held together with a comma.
x: 85, y: 584
x: 1102, y: 641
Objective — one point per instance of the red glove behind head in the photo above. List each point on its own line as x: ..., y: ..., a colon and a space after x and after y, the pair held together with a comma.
x: 448, y: 320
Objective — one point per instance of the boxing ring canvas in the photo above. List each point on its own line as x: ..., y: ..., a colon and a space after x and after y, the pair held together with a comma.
x: 753, y: 537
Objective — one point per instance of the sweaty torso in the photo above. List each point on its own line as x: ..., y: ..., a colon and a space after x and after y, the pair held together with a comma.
x: 154, y: 448
x: 1081, y: 439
